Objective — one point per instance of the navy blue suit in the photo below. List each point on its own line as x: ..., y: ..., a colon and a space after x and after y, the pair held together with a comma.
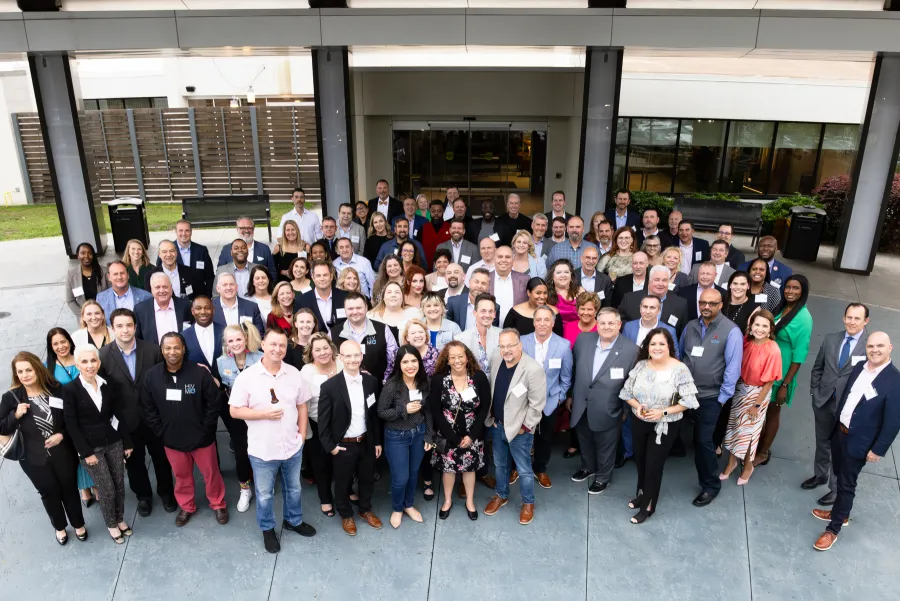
x: 631, y: 328
x: 195, y: 353
x: 778, y: 272
x: 308, y: 300
x: 200, y: 261
x: 145, y: 313
x: 874, y: 425
x: 261, y: 256
x: 632, y: 219
x: 457, y: 307
x: 246, y: 308
x: 699, y: 246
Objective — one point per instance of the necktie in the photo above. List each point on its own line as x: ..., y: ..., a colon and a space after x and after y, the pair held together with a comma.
x: 845, y: 353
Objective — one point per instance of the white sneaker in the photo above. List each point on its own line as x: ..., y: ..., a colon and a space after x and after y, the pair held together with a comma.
x: 244, y: 502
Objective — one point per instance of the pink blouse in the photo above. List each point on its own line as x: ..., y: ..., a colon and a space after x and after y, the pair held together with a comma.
x: 761, y: 363
x: 572, y: 329
x: 567, y: 311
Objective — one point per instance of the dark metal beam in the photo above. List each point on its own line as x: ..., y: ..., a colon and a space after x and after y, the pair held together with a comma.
x: 615, y: 3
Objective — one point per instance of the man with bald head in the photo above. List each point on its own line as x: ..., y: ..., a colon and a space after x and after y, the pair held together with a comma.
x: 350, y: 429
x: 186, y: 281
x: 511, y: 222
x: 592, y: 280
x: 868, y: 422
x: 239, y: 267
x: 712, y: 349
x: 456, y: 284
x: 487, y: 247
x: 635, y: 281
x: 257, y: 252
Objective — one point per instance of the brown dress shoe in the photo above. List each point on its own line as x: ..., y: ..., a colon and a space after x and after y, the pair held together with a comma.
x: 527, y: 513
x: 371, y: 519
x: 461, y: 490
x: 494, y: 505
x: 513, y: 476
x: 825, y: 541
x: 349, y: 526
x: 222, y: 515
x: 489, y: 481
x: 182, y: 518
x: 825, y: 515
x: 543, y: 479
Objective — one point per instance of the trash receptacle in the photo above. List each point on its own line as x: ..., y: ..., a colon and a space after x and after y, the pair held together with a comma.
x: 128, y: 221
x: 803, y: 233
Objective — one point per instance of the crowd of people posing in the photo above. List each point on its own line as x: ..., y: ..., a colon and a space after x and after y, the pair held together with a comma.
x: 410, y: 335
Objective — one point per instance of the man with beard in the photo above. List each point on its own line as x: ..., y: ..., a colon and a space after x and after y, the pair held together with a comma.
x: 434, y: 233
x: 557, y: 235
x: 479, y: 229
x: 574, y: 247
x: 455, y: 282
x: 257, y: 252
x: 462, y: 252
x: 239, y: 267
x: 392, y: 246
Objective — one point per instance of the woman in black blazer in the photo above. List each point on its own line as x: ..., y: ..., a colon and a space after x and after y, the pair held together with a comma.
x: 92, y: 410
x: 34, y: 407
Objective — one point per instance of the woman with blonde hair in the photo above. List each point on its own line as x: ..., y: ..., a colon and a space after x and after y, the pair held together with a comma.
x: 137, y: 261
x: 288, y: 248
x: 618, y: 260
x: 440, y: 329
x: 671, y: 258
x: 379, y: 232
x: 93, y: 327
x: 348, y: 280
x: 525, y: 259
x: 587, y: 305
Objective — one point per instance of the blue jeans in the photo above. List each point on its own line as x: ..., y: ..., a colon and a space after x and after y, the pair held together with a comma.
x: 404, y: 450
x: 520, y: 449
x: 264, y: 473
x: 705, y: 417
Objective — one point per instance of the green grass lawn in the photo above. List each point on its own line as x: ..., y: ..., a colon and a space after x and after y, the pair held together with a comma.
x: 42, y: 221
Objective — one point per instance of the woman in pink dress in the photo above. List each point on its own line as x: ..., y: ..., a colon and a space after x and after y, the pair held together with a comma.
x: 563, y: 290
x: 587, y: 304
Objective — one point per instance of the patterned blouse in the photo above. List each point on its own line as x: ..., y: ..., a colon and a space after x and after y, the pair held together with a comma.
x: 655, y: 389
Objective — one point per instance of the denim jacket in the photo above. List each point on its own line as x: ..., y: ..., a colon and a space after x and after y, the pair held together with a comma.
x: 228, y: 369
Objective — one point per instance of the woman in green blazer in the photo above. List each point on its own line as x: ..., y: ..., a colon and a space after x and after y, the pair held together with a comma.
x: 793, y: 330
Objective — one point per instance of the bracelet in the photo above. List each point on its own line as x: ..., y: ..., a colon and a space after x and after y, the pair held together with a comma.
x: 757, y: 405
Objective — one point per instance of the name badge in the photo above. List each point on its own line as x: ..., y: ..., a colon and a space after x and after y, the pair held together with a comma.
x: 173, y: 394
x: 114, y: 422
x: 200, y: 264
x: 354, y: 239
x: 56, y: 402
x: 870, y: 394
x: 246, y: 319
x: 260, y: 259
x: 761, y: 299
x: 468, y: 394
x: 362, y: 348
x: 465, y: 259
x: 775, y: 284
x: 555, y: 363
x: 495, y: 237
x: 185, y: 325
x: 519, y: 389
x: 78, y: 291
x: 855, y: 360
x: 341, y: 313
x: 396, y: 251
x: 671, y: 286
x: 226, y: 372
x: 370, y: 400
x: 697, y: 351
x: 188, y: 289
x: 302, y: 254
x: 415, y: 233
x: 633, y: 229
x: 673, y: 321
x: 415, y: 395
x: 698, y: 255
x: 601, y: 294
x: 617, y: 373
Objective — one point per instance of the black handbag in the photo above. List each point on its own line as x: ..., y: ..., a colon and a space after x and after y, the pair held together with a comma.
x: 440, y: 443
x: 12, y: 447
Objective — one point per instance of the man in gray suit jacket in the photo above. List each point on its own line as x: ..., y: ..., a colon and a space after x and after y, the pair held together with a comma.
x: 519, y: 393
x: 462, y: 252
x: 838, y: 355
x: 718, y: 253
x: 602, y: 362
x: 239, y: 267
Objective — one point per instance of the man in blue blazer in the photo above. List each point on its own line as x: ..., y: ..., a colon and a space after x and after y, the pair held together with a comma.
x: 193, y: 255
x: 868, y: 422
x: 157, y: 308
x: 224, y: 305
x: 765, y: 250
x: 461, y: 306
x: 258, y: 253
x: 555, y: 356
x: 204, y: 338
x: 324, y: 290
x: 621, y: 216
x: 120, y: 294
x: 416, y: 222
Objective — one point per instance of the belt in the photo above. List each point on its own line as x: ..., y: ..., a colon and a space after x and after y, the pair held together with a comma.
x: 361, y: 438
x: 844, y: 429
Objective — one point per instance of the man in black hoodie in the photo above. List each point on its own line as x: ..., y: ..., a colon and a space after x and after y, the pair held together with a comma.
x: 181, y: 405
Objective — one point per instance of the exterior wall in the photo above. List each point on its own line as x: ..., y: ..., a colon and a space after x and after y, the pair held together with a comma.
x: 15, y: 97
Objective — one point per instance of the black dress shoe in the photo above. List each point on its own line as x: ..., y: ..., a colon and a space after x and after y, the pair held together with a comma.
x: 597, y: 487
x: 621, y: 461
x: 813, y: 483
x: 569, y: 455
x: 705, y: 498
x: 144, y: 507
x: 581, y: 476
x: 82, y: 537
x: 303, y: 529
x: 444, y: 513
x: 169, y: 504
x: 828, y: 499
x: 87, y: 502
x: 473, y: 515
x: 270, y: 540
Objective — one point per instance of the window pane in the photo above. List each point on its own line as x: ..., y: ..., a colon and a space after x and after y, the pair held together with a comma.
x: 796, y: 146
x: 748, y: 156
x: 90, y: 105
x: 838, y: 150
x: 699, y: 155
x: 621, y: 149
x: 160, y: 102
x: 652, y: 156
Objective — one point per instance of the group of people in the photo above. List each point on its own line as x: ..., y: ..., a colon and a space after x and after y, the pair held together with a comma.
x: 409, y: 334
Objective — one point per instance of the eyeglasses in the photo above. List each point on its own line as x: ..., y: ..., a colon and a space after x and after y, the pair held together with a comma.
x: 246, y: 229
x: 709, y: 303
x: 508, y: 347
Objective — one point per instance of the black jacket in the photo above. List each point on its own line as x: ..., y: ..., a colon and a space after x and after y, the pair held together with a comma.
x: 192, y: 282
x: 506, y: 227
x: 187, y: 424
x: 624, y: 285
x: 454, y: 433
x: 203, y: 264
x: 673, y: 307
x: 114, y: 370
x: 689, y: 294
x: 144, y: 311
x: 35, y: 453
x: 308, y: 300
x: 395, y: 208
x: 88, y: 427
x: 335, y: 411
x: 603, y: 283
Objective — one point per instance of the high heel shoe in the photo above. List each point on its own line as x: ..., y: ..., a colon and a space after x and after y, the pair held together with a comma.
x: 444, y: 513
x: 743, y: 481
x: 723, y: 476
x: 428, y: 495
x: 641, y: 516
x: 635, y: 502
x: 83, y: 536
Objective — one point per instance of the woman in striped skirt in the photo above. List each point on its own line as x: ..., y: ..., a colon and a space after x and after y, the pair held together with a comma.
x: 760, y: 367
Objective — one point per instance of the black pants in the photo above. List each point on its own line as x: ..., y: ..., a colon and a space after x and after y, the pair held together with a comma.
x: 426, y: 470
x: 357, y: 460
x: 237, y: 428
x: 57, y: 483
x: 846, y: 472
x: 722, y: 424
x: 143, y: 440
x: 705, y: 418
x: 321, y: 463
x: 488, y: 457
x: 543, y: 439
x: 650, y: 457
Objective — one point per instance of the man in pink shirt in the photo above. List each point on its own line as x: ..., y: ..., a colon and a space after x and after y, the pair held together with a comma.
x: 271, y: 397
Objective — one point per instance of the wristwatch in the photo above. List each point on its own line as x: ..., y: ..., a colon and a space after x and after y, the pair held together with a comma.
x: 665, y: 412
x: 757, y: 405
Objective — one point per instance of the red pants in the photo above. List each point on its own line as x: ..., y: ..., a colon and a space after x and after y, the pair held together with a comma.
x: 183, y: 467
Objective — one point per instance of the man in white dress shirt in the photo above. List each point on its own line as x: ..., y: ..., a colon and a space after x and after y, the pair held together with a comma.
x: 307, y: 221
x: 168, y: 255
x: 346, y: 258
x: 487, y: 248
x: 163, y: 306
x: 347, y: 228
